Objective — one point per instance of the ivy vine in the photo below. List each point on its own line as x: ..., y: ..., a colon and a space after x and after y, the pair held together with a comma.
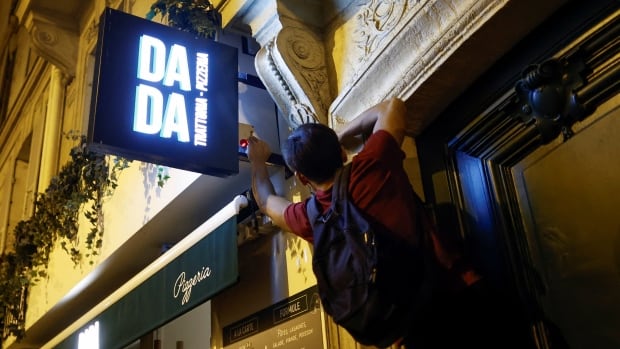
x: 198, y: 17
x: 162, y: 176
x: 81, y: 185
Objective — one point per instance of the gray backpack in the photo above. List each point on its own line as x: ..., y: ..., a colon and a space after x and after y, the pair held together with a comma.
x: 369, y: 283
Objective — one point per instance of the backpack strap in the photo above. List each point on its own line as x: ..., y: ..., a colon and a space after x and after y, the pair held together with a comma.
x: 341, y: 184
x: 340, y: 196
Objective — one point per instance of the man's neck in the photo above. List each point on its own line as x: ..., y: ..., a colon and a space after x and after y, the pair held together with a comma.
x: 323, y: 186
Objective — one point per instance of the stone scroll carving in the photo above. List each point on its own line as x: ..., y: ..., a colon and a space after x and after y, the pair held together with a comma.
x: 57, y: 45
x: 292, y: 66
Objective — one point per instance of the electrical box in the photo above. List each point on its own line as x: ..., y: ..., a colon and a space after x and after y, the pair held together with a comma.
x: 245, y: 131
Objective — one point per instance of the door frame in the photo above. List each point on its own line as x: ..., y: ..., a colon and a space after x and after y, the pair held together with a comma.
x: 467, y: 155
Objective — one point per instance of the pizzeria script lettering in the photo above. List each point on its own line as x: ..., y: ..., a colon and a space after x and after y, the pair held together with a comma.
x: 184, y: 286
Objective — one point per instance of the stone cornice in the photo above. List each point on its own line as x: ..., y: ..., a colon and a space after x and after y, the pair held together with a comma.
x: 423, y: 51
x: 412, y: 44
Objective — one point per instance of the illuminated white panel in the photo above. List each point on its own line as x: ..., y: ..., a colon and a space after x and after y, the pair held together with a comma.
x: 175, y: 118
x: 89, y: 338
x: 177, y: 68
x: 148, y: 112
x: 151, y: 59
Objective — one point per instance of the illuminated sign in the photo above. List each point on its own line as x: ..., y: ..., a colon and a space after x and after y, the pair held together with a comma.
x: 164, y: 96
x: 89, y: 338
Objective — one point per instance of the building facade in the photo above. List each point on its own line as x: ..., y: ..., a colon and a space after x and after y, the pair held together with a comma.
x: 518, y: 100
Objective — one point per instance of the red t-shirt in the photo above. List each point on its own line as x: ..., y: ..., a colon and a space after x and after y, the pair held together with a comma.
x: 379, y: 186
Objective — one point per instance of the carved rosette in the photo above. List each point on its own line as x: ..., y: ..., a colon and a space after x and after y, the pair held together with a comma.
x: 44, y: 37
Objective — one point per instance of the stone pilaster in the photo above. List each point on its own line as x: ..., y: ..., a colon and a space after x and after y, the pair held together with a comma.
x: 53, y: 128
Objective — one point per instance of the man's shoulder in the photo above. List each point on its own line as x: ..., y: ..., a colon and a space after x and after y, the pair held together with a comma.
x: 380, y: 148
x: 380, y: 140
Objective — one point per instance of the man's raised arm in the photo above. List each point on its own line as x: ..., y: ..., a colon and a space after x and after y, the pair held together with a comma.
x: 389, y: 115
x: 268, y: 202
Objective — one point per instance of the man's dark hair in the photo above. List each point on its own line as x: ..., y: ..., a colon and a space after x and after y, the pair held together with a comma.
x: 313, y: 150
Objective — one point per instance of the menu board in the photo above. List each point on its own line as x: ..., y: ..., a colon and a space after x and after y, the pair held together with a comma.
x: 293, y: 323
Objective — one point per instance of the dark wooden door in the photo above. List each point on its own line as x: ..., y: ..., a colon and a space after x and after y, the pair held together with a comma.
x: 525, y: 165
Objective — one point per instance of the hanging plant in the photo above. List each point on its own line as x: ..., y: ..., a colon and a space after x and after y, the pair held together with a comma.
x: 81, y: 185
x: 162, y: 176
x: 198, y: 17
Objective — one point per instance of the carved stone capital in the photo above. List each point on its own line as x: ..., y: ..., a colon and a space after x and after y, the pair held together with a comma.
x: 354, y: 54
x: 57, y: 46
x: 294, y: 70
x: 292, y: 60
x: 54, y: 38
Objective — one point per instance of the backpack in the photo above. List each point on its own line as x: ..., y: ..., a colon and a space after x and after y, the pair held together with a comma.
x: 368, y: 282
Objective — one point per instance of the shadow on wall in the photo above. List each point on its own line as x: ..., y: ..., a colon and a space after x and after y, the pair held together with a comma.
x: 153, y: 178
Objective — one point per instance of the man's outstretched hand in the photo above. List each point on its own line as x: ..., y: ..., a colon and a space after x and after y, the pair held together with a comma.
x: 258, y: 150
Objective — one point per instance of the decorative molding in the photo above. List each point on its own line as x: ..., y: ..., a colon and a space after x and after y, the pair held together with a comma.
x: 376, y: 21
x: 300, y: 114
x: 46, y: 38
x: 53, y: 39
x: 372, y: 50
x: 303, y: 55
x: 297, y: 113
x: 413, y: 48
x: 269, y: 74
x: 56, y: 45
x: 293, y: 68
x: 292, y: 61
x: 92, y: 32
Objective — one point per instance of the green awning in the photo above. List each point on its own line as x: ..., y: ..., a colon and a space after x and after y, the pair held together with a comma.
x: 180, y: 284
